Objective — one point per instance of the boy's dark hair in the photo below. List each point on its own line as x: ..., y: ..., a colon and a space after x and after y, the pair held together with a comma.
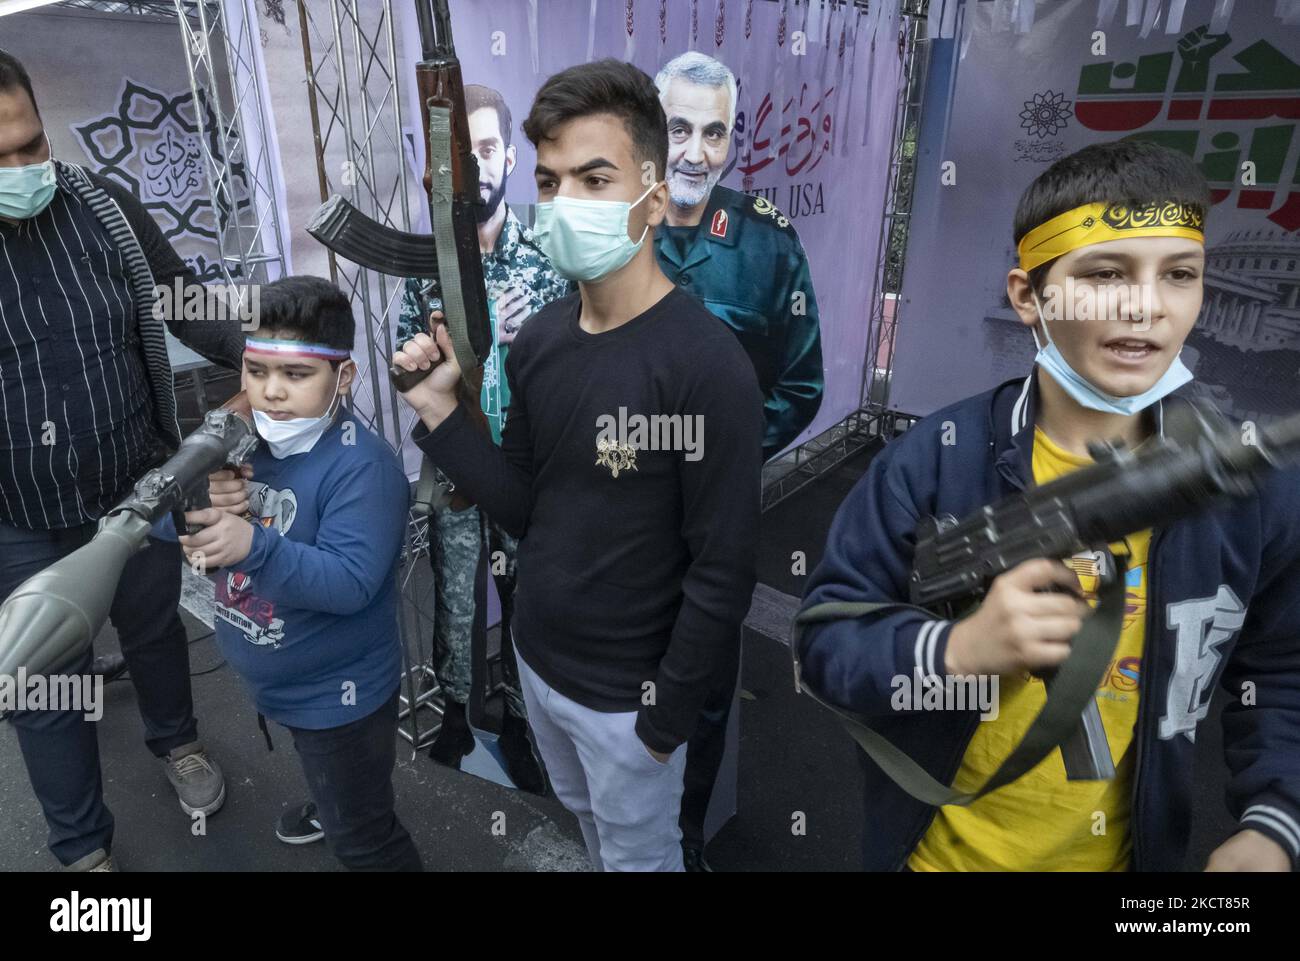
x: 13, y: 74
x: 1133, y: 172
x: 310, y: 308
x: 478, y: 97
x: 605, y: 86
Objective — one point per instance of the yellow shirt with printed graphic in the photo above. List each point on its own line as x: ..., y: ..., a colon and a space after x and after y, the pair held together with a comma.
x: 1042, y: 821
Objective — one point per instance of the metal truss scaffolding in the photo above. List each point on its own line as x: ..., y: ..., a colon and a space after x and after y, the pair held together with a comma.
x: 237, y: 159
x: 873, y: 420
x: 351, y: 52
x: 163, y: 9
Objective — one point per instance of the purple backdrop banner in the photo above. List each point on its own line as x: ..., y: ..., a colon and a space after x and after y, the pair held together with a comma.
x: 813, y: 126
x: 1023, y: 96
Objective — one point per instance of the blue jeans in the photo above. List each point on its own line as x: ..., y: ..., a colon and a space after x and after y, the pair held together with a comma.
x: 60, y: 748
x: 349, y: 773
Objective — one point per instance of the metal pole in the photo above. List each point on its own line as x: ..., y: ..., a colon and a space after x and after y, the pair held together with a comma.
x: 402, y: 173
x: 224, y: 174
x: 196, y: 49
x: 907, y: 111
x: 216, y: 144
x: 380, y: 279
x: 262, y: 184
x: 821, y: 454
x: 345, y: 97
x: 315, y: 125
x: 417, y: 616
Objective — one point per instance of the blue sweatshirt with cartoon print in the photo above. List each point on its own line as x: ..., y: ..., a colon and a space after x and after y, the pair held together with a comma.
x: 309, y: 618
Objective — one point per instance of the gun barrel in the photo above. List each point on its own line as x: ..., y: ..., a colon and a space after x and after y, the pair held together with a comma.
x: 442, y: 26
x: 1126, y: 492
x: 226, y: 437
x: 1172, y: 482
x: 433, y: 20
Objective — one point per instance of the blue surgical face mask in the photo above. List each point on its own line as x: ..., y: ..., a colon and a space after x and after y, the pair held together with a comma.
x: 587, y: 239
x: 1086, y: 395
x: 26, y: 191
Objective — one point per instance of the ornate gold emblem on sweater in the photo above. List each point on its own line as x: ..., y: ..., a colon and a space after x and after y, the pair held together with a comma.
x: 617, y: 457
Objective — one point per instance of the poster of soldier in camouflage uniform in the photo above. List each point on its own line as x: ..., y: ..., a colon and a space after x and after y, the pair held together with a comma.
x: 519, y: 281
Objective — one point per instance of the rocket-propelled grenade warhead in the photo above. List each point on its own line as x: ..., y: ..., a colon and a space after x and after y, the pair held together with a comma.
x: 52, y: 617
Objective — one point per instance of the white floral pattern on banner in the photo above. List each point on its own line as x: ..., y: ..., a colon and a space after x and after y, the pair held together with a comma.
x: 150, y: 145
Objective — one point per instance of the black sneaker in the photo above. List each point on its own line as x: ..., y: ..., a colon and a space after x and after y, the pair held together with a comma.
x: 300, y: 825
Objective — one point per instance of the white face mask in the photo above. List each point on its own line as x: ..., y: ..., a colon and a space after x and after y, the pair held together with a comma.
x: 297, y: 435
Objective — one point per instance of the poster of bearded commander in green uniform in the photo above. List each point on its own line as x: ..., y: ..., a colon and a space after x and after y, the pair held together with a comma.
x: 738, y: 254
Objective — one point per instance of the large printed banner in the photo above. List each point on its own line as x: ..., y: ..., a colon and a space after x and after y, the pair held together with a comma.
x: 1015, y: 102
x: 813, y: 124
x: 127, y: 112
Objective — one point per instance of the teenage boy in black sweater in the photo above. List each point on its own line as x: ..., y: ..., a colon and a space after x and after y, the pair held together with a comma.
x: 627, y: 465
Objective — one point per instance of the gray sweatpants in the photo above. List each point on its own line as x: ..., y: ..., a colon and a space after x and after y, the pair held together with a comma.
x: 626, y: 802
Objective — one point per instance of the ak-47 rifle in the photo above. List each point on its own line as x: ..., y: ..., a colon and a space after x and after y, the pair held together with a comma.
x: 451, y: 178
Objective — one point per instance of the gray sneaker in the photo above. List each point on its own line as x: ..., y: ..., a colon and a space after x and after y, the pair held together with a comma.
x: 197, y: 779
x: 97, y: 860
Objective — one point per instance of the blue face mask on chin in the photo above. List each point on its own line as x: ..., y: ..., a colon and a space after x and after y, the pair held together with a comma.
x: 1086, y: 395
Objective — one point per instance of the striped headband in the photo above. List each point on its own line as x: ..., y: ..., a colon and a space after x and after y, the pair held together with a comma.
x: 1095, y: 223
x: 266, y: 345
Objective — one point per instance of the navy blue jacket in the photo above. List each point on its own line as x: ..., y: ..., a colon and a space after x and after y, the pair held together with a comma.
x: 1223, y: 605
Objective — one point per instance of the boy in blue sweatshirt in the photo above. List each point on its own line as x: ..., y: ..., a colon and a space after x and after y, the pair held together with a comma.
x: 1212, y: 598
x: 306, y: 598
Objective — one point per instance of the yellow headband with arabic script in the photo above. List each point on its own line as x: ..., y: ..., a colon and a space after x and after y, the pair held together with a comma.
x: 1096, y: 223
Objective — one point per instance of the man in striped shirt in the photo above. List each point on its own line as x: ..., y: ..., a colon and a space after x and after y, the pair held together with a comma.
x: 86, y: 407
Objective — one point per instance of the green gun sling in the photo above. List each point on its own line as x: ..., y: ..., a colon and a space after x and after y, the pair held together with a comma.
x: 1074, y: 685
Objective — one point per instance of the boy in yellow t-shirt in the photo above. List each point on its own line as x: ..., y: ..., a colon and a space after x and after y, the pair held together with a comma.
x: 1006, y: 829
x: 1213, y: 598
